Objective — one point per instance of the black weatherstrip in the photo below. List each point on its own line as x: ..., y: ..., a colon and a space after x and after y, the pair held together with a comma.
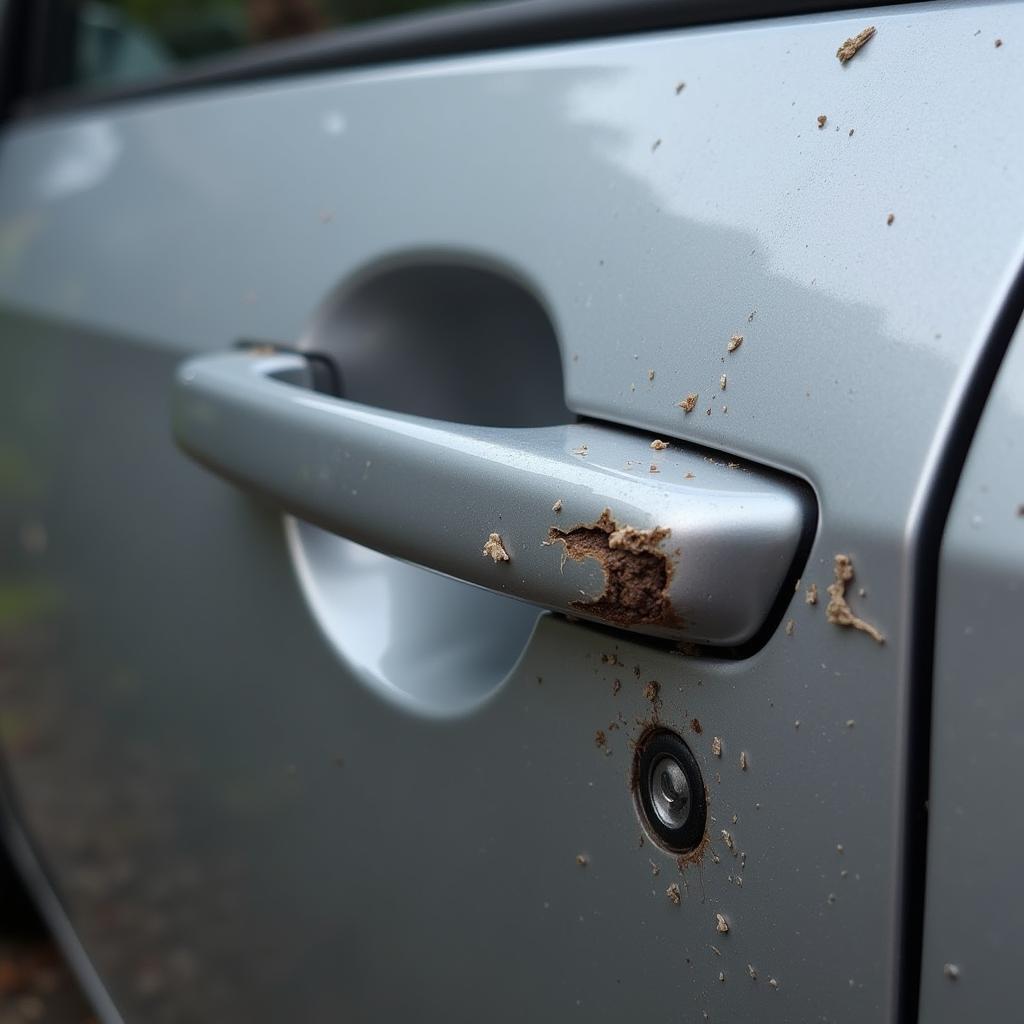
x: 487, y: 27
x: 923, y: 635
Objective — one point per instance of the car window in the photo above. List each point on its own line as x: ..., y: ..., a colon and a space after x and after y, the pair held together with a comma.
x: 117, y: 42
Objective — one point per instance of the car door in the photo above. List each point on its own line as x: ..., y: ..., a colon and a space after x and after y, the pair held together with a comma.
x: 261, y: 771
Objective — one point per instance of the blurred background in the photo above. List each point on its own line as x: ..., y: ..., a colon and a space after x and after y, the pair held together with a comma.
x: 118, y: 42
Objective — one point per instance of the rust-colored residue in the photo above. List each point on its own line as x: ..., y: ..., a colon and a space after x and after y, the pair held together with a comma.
x: 637, y: 572
x: 696, y: 726
x: 854, y: 43
x: 600, y: 739
x: 696, y: 855
x: 672, y: 892
x: 838, y: 611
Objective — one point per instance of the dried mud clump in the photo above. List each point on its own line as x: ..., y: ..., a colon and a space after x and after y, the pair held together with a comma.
x: 495, y: 549
x: 838, y: 611
x: 637, y: 573
x: 849, y: 49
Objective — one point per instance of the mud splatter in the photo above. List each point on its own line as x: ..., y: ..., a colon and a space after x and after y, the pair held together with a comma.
x: 849, y: 49
x: 838, y: 611
x: 495, y: 549
x: 637, y: 573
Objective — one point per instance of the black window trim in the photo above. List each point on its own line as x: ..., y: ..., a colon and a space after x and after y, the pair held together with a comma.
x: 436, y: 33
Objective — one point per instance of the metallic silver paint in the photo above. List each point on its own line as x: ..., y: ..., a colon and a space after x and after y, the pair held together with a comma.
x: 432, y: 493
x: 974, y: 925
x: 188, y: 667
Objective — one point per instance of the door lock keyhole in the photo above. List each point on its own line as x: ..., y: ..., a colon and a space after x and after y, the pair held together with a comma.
x: 670, y: 791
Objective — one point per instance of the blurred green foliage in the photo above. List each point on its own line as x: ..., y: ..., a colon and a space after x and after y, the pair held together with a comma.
x: 197, y: 28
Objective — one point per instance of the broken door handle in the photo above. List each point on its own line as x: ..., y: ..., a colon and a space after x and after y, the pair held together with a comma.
x: 585, y: 519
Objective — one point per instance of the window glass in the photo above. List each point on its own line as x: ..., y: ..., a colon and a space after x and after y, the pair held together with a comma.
x: 121, y: 41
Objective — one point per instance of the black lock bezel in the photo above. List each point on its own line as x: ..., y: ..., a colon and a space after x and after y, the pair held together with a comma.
x: 691, y: 834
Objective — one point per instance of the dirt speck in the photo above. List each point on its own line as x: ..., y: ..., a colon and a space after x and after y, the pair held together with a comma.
x: 689, y: 403
x: 658, y: 445
x: 650, y: 375
x: 999, y: 43
x: 822, y: 118
x: 637, y: 573
x: 680, y: 87
x: 689, y: 476
x: 890, y: 218
x: 652, y: 692
x: 751, y: 971
x: 773, y: 983
x: 849, y: 49
x: 716, y: 746
x: 721, y: 925
x: 734, y: 343
x: 672, y: 892
x: 581, y: 450
x: 951, y: 971
x: 811, y: 597
x: 495, y: 549
x: 582, y: 860
x: 616, y: 686
x: 696, y: 726
x: 850, y: 133
x: 790, y: 627
x: 730, y: 843
x: 722, y: 381
x: 557, y: 507
x: 655, y: 144
x: 743, y: 761
x: 600, y: 739
x: 721, y: 976
x: 838, y: 611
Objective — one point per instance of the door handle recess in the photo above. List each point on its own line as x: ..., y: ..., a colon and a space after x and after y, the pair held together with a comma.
x: 573, y: 518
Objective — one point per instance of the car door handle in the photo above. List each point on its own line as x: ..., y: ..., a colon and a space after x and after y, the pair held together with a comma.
x: 585, y: 518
